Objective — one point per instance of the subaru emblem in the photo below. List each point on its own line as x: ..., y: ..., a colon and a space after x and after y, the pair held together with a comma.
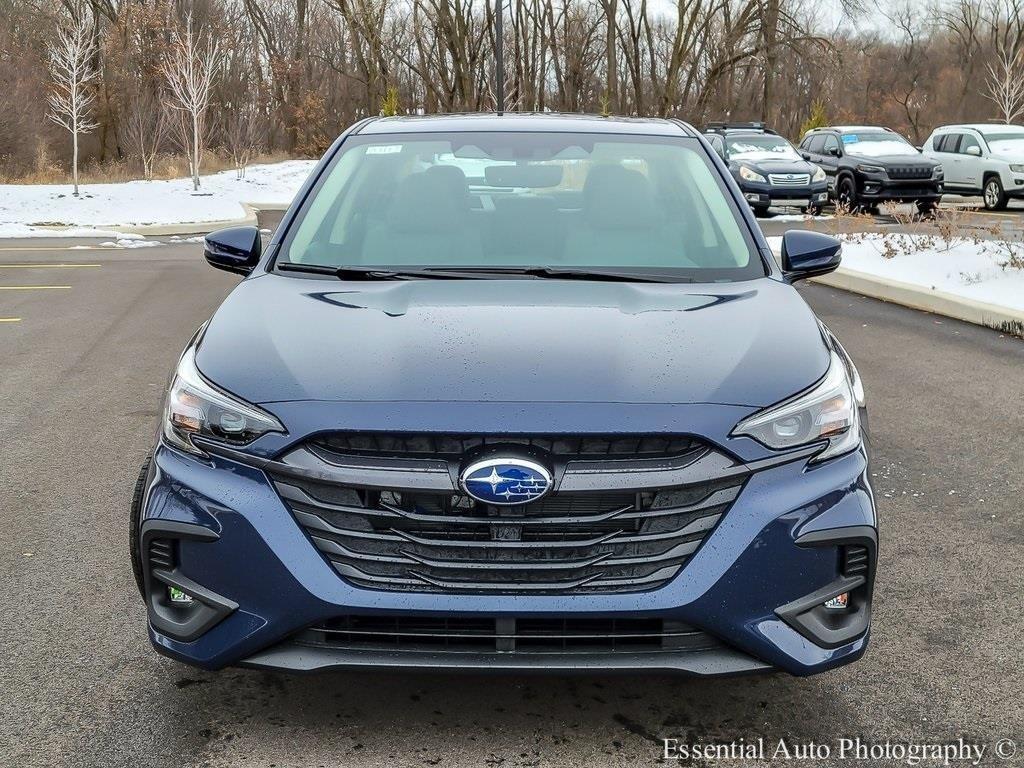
x: 505, y: 481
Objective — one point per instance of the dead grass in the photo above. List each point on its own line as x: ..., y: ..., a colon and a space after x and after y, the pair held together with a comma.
x: 48, y: 171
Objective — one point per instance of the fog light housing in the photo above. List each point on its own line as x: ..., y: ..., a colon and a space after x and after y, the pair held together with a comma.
x: 752, y: 197
x: 838, y: 603
x: 178, y: 596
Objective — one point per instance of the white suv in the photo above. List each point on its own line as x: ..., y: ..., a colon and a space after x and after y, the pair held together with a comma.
x: 986, y: 160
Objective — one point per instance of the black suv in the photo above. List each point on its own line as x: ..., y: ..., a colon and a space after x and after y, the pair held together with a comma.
x: 867, y: 165
x: 767, y: 167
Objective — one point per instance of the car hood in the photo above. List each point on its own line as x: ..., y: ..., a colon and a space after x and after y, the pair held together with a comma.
x: 1009, y: 157
x: 777, y: 165
x: 279, y: 338
x: 916, y: 160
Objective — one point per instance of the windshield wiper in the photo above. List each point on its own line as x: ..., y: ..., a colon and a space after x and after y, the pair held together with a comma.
x: 374, y: 273
x: 576, y: 273
x: 479, y: 273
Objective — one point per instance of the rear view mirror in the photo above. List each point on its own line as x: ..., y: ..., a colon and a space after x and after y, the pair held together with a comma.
x: 237, y: 249
x: 807, y: 254
x: 974, y: 151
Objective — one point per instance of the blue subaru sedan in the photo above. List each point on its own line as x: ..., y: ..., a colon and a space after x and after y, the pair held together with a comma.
x: 511, y: 392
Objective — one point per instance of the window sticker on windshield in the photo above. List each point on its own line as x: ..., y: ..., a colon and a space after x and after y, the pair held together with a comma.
x: 384, y: 149
x: 850, y: 138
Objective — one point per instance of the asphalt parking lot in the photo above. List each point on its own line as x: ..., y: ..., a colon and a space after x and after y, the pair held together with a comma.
x: 88, y: 339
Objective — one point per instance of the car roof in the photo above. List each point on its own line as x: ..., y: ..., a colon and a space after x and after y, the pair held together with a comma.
x: 983, y: 128
x: 849, y: 128
x: 551, y: 122
x: 744, y: 132
x: 862, y: 128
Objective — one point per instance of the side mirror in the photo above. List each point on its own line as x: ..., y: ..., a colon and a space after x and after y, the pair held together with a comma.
x: 834, y: 151
x: 807, y: 254
x: 974, y: 151
x: 805, y: 155
x: 237, y: 249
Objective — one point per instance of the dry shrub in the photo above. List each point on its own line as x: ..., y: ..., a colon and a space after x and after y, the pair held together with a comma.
x: 165, y: 166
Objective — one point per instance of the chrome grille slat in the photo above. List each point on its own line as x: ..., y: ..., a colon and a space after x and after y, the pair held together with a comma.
x: 784, y: 180
x: 618, y: 525
x: 302, y: 500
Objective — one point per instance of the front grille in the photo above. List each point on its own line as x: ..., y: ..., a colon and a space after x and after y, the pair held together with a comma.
x: 456, y: 446
x: 908, y: 172
x: 789, y: 179
x: 568, y: 542
x: 510, y: 635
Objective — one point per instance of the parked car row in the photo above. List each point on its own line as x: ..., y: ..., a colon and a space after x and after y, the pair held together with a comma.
x: 860, y: 167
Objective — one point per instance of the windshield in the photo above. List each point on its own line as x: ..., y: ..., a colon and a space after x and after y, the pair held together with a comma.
x: 877, y: 144
x: 760, y: 148
x: 1008, y: 143
x: 518, y: 200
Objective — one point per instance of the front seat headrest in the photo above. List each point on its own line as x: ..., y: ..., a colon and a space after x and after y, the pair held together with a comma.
x: 618, y: 198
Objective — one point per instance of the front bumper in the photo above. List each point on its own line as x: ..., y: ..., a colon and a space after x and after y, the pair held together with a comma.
x: 239, y: 551
x: 880, y: 188
x: 768, y: 195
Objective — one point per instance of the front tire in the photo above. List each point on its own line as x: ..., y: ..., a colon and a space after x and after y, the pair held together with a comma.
x: 994, y: 194
x: 761, y: 211
x: 135, y: 521
x: 846, y: 194
x: 926, y: 208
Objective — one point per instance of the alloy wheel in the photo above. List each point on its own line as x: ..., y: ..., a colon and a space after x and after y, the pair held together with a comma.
x: 992, y: 194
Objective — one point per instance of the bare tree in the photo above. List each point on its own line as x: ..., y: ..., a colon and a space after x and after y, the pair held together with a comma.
x: 144, y: 130
x: 70, y: 59
x: 188, y: 70
x: 241, y: 133
x: 1006, y: 84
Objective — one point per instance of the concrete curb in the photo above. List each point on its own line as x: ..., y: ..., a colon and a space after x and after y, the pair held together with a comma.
x: 999, y: 318
x: 249, y: 219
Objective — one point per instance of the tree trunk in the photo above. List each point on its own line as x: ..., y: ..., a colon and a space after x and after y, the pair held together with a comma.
x: 770, y: 35
x: 611, y: 65
x: 195, y: 151
x: 74, y: 155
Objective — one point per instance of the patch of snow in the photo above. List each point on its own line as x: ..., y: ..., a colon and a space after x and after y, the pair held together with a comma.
x: 25, y: 207
x: 192, y: 239
x: 13, y: 229
x: 129, y: 242
x: 797, y: 217
x: 972, y: 271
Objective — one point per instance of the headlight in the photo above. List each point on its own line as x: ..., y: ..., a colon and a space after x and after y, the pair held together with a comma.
x: 865, y: 168
x: 827, y: 413
x: 937, y: 172
x: 196, y: 407
x: 751, y: 175
x: 1017, y: 168
x: 819, y: 174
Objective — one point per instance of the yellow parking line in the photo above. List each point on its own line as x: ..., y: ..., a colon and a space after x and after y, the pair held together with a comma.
x: 10, y: 319
x: 46, y: 266
x: 33, y: 287
x: 66, y: 248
